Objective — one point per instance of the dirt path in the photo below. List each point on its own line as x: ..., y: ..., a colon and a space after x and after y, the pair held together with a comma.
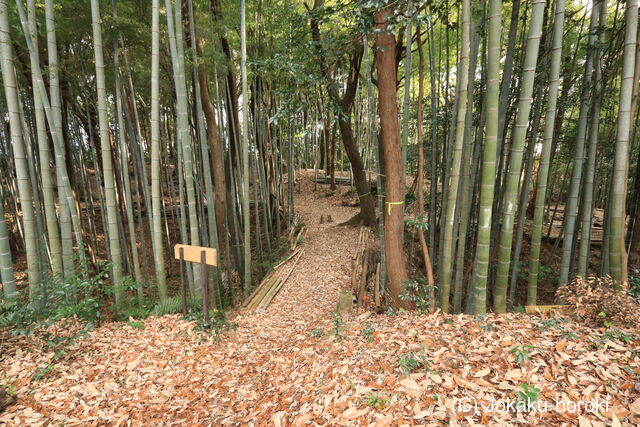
x: 311, y: 292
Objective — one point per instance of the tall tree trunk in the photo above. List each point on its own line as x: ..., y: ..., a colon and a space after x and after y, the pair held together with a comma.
x: 367, y: 215
x: 45, y: 155
x: 390, y: 140
x: 107, y: 161
x: 156, y: 185
x: 245, y: 152
x: 515, y: 161
x: 420, y: 187
x: 570, y: 211
x: 543, y: 170
x: 594, y: 129
x: 61, y: 164
x: 617, y: 254
x: 454, y: 175
x: 19, y: 157
x: 215, y: 146
x: 468, y: 173
x: 183, y: 130
x: 488, y: 157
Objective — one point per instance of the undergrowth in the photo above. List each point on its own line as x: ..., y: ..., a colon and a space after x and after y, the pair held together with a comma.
x: 68, y: 310
x: 598, y: 301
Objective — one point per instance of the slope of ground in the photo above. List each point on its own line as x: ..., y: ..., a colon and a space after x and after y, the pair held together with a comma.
x: 295, y: 364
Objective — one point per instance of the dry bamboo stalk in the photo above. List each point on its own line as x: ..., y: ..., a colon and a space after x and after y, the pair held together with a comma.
x: 362, y: 287
x: 279, y: 285
x: 248, y: 300
x: 376, y: 287
x: 262, y: 295
x: 271, y: 284
x: 265, y: 281
x: 264, y: 302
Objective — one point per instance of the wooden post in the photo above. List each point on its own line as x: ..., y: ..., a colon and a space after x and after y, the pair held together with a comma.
x: 183, y: 285
x: 204, y: 285
x: 205, y: 256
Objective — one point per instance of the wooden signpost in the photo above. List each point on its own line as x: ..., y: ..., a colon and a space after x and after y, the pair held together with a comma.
x: 205, y: 256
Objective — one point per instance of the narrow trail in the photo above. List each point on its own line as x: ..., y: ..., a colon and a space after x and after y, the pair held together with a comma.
x: 310, y: 294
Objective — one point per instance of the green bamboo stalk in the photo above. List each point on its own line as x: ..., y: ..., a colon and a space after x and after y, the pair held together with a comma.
x: 524, y: 197
x: 6, y: 263
x: 515, y: 161
x: 594, y: 128
x: 570, y: 211
x: 245, y: 151
x: 59, y: 151
x: 543, y: 170
x: 462, y: 83
x: 433, y: 177
x: 107, y: 162
x: 183, y: 133
x: 45, y: 157
x: 467, y: 179
x: 488, y: 157
x: 19, y: 156
x: 617, y: 252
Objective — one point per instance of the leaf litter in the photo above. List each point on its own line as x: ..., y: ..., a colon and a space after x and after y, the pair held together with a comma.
x: 408, y: 369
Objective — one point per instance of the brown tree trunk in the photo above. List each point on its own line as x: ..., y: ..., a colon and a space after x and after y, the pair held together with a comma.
x: 215, y: 145
x: 391, y: 147
x: 232, y: 95
x: 367, y: 214
x: 332, y: 159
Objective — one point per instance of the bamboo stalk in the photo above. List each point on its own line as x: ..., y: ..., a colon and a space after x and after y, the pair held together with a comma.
x: 279, y: 285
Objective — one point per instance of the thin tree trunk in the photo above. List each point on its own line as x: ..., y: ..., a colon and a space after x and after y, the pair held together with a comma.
x: 456, y: 163
x: 156, y: 185
x: 245, y: 152
x: 420, y: 187
x: 594, y: 129
x: 570, y: 211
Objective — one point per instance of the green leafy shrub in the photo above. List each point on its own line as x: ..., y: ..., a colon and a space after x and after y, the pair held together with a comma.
x: 417, y: 291
x: 521, y: 353
x: 173, y: 305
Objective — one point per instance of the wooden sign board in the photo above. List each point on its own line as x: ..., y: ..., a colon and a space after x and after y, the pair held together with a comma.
x: 194, y: 253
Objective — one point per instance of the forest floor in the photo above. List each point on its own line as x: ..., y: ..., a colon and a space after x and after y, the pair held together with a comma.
x: 295, y: 363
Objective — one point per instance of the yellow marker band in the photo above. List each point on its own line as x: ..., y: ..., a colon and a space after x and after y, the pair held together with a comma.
x: 392, y: 203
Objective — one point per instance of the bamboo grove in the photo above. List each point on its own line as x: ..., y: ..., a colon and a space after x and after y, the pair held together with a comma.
x: 490, y: 145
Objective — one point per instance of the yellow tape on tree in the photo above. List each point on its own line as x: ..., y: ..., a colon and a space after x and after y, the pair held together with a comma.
x: 392, y: 203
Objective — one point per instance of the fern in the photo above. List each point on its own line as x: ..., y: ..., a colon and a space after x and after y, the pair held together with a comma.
x: 174, y: 305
